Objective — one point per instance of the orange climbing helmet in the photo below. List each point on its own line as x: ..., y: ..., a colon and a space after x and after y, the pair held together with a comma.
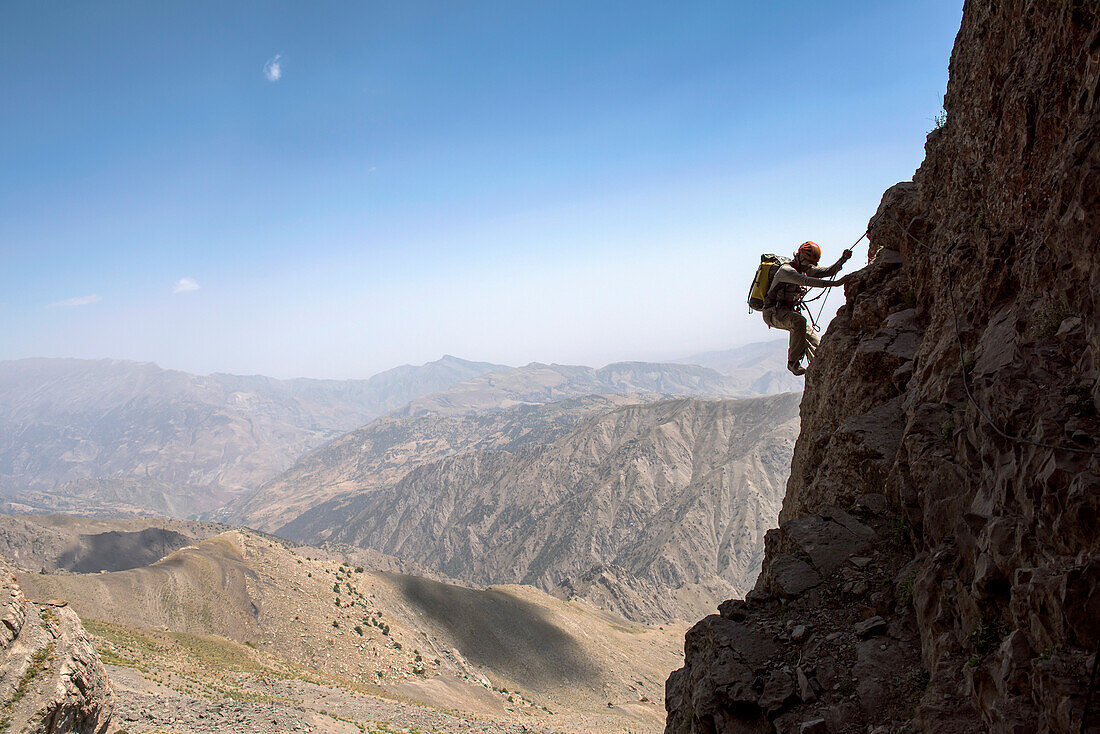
x: 810, y: 251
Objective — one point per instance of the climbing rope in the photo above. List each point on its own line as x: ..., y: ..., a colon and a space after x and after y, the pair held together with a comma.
x: 825, y: 291
x: 962, y: 361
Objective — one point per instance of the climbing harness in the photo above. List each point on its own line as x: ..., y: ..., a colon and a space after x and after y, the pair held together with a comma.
x: 769, y: 264
x: 962, y: 363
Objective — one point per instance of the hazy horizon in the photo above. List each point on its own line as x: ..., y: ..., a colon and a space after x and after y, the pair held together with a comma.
x: 680, y: 358
x: 332, y: 190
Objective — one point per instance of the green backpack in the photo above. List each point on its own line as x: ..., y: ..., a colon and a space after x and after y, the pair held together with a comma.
x: 763, y: 280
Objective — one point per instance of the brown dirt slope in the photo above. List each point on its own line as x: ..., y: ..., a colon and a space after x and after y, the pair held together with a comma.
x: 506, y: 653
x: 88, y: 545
x: 930, y: 572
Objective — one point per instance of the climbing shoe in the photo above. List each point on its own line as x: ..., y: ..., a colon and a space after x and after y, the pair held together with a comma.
x: 796, y: 368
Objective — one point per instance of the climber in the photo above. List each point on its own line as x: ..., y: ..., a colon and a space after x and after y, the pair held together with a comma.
x: 784, y: 300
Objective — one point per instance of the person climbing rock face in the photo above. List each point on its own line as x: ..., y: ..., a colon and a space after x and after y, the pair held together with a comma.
x: 783, y: 303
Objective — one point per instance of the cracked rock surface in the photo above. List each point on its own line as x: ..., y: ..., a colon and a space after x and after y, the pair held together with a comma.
x: 51, y: 678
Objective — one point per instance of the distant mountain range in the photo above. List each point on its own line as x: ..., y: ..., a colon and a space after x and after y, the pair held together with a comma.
x: 111, y: 436
x: 644, y: 488
x: 493, y: 410
x: 759, y: 368
x: 385, y: 450
x: 547, y: 383
x: 637, y: 492
x: 651, y: 510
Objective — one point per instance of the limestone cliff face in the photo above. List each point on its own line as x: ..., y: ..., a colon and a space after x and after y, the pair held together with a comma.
x: 933, y: 573
x: 51, y: 678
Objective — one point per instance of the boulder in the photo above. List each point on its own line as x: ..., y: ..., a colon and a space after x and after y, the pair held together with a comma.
x: 787, y: 577
x: 813, y: 726
x: 51, y: 678
x: 876, y: 625
x: 828, y: 539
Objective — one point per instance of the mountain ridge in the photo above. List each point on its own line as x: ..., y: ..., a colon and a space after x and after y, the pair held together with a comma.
x: 540, y: 382
x: 130, y: 436
x: 388, y: 447
x: 467, y: 516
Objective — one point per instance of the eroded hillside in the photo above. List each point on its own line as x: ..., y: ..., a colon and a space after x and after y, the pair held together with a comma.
x: 653, y: 510
x: 89, y: 545
x: 385, y: 450
x: 937, y: 566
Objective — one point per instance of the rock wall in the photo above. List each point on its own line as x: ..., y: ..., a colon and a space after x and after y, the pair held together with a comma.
x: 51, y: 678
x: 937, y: 569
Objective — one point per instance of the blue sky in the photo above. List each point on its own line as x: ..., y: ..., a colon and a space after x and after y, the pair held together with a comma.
x: 576, y: 182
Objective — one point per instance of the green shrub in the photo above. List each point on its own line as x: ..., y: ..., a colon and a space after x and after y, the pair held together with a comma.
x: 986, y: 635
x: 947, y: 428
x: 905, y: 589
x: 900, y: 532
x: 939, y: 121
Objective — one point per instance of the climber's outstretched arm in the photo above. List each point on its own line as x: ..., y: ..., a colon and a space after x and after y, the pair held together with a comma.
x: 832, y: 269
x: 790, y: 275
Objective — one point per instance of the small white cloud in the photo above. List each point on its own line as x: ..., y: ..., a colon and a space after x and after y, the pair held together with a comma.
x: 78, y: 301
x: 185, y: 285
x: 273, y: 69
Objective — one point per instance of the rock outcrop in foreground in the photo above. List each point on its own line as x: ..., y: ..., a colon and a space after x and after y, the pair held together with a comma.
x: 51, y: 678
x: 936, y: 569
